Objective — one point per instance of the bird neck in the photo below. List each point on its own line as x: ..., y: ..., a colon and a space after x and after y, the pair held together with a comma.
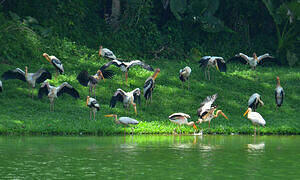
x: 116, y: 119
x: 254, y: 56
x: 278, y: 82
x: 26, y: 71
x: 218, y: 113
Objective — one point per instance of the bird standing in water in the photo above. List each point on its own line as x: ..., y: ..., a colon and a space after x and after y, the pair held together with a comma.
x: 180, y: 119
x: 126, y: 121
x: 184, y: 75
x: 279, y: 94
x: 211, y: 115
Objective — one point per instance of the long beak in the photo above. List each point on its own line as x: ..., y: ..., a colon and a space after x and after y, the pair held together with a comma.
x: 224, y: 115
x: 246, y: 112
x: 47, y: 57
x: 102, y: 76
x: 109, y: 115
x: 217, y: 67
x: 135, y: 109
x: 87, y: 101
x: 195, y: 127
x: 155, y: 75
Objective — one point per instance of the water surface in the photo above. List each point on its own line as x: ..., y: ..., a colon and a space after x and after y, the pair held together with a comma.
x: 150, y: 157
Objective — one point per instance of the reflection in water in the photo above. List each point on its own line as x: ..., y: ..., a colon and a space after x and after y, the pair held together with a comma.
x: 154, y: 157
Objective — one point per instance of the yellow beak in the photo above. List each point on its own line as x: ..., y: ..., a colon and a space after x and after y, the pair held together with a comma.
x: 135, y: 110
x: 217, y: 67
x: 195, y: 127
x: 246, y: 112
x: 224, y: 115
x: 109, y: 115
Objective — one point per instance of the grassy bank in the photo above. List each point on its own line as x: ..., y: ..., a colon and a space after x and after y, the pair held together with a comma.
x: 19, y: 114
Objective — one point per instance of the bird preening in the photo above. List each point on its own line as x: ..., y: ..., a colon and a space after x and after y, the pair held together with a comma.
x: 254, y: 101
x: 181, y: 119
x: 54, y: 92
x: 149, y: 86
x: 279, y: 94
x: 255, y: 118
x: 125, y: 66
x: 126, y: 121
x: 56, y: 63
x: 94, y: 106
x: 91, y: 81
x: 127, y: 98
x: 31, y: 78
x: 212, y: 61
x: 106, y: 53
x: 254, y: 60
x: 184, y: 75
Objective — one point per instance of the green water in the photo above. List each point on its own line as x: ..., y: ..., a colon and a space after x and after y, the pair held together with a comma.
x: 150, y: 157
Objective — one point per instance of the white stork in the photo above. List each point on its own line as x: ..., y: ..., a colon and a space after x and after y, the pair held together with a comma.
x: 126, y: 121
x: 54, y: 92
x: 1, y: 88
x: 127, y: 98
x: 88, y: 80
x: 211, y: 115
x: 55, y: 62
x: 180, y: 119
x: 106, y: 53
x: 255, y: 118
x: 254, y: 101
x: 279, y: 94
x: 126, y: 65
x: 212, y: 61
x: 254, y: 60
x: 149, y: 85
x: 184, y: 75
x: 93, y: 105
x: 31, y: 78
x: 205, y: 106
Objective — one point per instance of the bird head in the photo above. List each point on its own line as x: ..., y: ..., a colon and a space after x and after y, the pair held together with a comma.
x: 26, y: 70
x: 112, y: 115
x: 87, y: 100
x: 99, y: 72
x: 100, y: 49
x: 156, y: 73
x: 254, y: 56
x: 47, y: 57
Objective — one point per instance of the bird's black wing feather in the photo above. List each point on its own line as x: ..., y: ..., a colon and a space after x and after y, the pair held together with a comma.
x: 83, y: 78
x: 42, y: 75
x: 108, y: 74
x: 203, y: 61
x: 69, y: 90
x: 116, y: 97
x: 269, y: 61
x: 113, y: 62
x: 43, y: 91
x: 221, y: 65
x: 14, y: 74
x: 142, y: 64
x: 137, y: 97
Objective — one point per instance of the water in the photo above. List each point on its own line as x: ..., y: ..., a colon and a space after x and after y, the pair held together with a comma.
x: 150, y: 157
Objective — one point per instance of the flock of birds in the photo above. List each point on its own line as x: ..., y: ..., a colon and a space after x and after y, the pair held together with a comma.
x: 206, y: 112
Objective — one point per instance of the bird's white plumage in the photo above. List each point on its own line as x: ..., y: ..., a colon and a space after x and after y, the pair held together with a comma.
x: 256, y: 118
x: 107, y: 53
x: 179, y: 114
x: 253, y: 98
x: 127, y: 121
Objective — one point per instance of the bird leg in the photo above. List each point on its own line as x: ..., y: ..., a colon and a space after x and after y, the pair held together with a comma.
x: 94, y: 115
x: 254, y: 130
x: 131, y: 130
x: 188, y: 84
x: 126, y: 76
x: 208, y: 73
x: 258, y: 130
x: 151, y: 97
x: 56, y: 75
x: 94, y: 92
x: 209, y: 125
x: 90, y: 114
x: 124, y: 131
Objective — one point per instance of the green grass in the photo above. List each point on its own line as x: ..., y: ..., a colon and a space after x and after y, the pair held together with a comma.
x: 19, y: 114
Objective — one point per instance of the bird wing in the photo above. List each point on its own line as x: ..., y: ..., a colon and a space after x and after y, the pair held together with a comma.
x: 253, y: 99
x: 44, y: 90
x: 140, y: 63
x: 128, y: 120
x: 174, y: 115
x: 137, y: 95
x: 57, y: 63
x: 149, y: 84
x: 266, y: 60
x: 108, y: 74
x: 118, y: 96
x: 41, y: 75
x: 108, y: 53
x: 67, y: 88
x: 221, y: 64
x: 241, y: 58
x: 205, y: 106
x: 114, y: 62
x: 204, y: 61
x: 14, y: 74
x: 83, y: 78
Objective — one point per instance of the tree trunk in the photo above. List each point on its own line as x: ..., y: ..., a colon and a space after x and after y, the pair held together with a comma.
x: 115, y: 12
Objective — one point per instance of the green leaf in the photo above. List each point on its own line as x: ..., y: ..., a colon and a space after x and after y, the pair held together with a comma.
x: 178, y: 7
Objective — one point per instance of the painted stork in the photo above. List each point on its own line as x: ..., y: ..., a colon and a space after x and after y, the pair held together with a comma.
x: 254, y: 101
x: 55, y: 62
x: 126, y: 121
x: 149, y: 85
x: 184, y: 75
x: 205, y: 106
x: 54, y: 92
x: 255, y: 118
x: 211, y: 115
x: 106, y: 53
x: 279, y: 94
x: 180, y: 119
x: 88, y: 80
x: 1, y: 88
x: 212, y: 61
x: 31, y: 78
x: 93, y: 105
x: 254, y: 60
x: 125, y: 66
x: 127, y: 98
